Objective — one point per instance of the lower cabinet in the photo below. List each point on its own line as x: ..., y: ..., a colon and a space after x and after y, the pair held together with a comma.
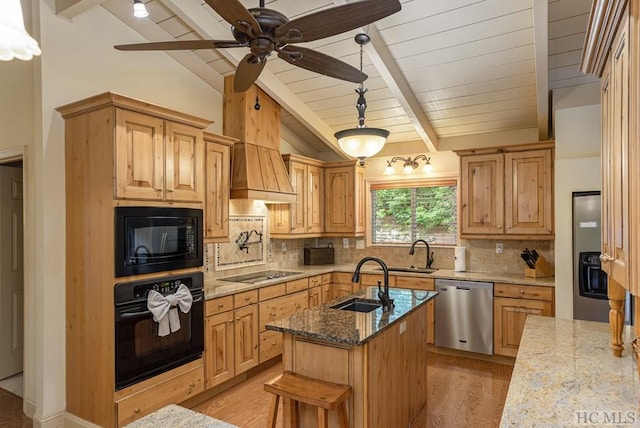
x: 511, y: 306
x: 341, y: 285
x: 175, y: 389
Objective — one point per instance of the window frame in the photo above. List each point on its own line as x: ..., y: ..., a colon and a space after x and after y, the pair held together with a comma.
x: 407, y: 183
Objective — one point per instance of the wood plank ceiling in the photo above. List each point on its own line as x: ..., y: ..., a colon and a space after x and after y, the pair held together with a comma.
x: 437, y: 69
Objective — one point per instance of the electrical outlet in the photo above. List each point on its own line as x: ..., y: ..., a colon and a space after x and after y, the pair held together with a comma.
x: 345, y: 242
x: 499, y: 248
x: 360, y: 244
x: 284, y: 247
x: 403, y: 327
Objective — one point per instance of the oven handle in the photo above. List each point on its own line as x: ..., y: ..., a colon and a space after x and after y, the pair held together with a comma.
x: 125, y: 315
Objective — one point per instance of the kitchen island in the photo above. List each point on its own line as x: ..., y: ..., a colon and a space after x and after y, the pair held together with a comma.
x: 565, y: 375
x: 382, y: 355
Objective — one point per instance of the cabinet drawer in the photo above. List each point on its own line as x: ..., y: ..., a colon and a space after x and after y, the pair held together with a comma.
x: 415, y: 283
x: 314, y: 281
x: 523, y: 291
x: 371, y: 279
x: 270, y: 345
x: 341, y: 277
x: 275, y: 309
x: 245, y: 298
x: 219, y: 305
x: 174, y: 390
x: 297, y: 285
x: 272, y: 291
x: 326, y: 278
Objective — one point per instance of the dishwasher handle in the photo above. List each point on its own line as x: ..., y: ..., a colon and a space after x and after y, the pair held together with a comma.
x: 463, y: 288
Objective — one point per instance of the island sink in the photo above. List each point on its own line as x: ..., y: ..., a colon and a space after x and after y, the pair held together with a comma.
x: 358, y: 305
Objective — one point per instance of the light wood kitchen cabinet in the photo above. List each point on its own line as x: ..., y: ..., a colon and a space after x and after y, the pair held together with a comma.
x: 612, y: 52
x: 306, y: 215
x: 507, y: 195
x: 246, y: 338
x: 319, y: 289
x: 344, y: 199
x: 280, y: 307
x: 105, y: 135
x: 427, y: 284
x: 218, y: 346
x: 341, y: 285
x: 217, y: 177
x: 158, y: 159
x: 511, y: 306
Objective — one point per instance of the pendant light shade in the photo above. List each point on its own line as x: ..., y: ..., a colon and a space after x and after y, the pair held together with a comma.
x: 139, y: 9
x: 361, y: 142
x: 15, y: 42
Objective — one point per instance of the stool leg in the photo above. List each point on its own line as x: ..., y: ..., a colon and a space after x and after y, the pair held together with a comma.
x: 273, y: 412
x: 342, y: 415
x: 290, y: 408
x: 323, y: 418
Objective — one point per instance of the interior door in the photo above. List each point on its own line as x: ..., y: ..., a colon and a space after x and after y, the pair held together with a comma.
x: 11, y: 272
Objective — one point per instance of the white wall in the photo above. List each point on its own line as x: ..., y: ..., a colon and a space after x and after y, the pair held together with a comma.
x: 78, y: 61
x: 577, y: 168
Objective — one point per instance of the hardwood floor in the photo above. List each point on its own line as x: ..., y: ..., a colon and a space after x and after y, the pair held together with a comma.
x: 11, y: 415
x: 463, y: 392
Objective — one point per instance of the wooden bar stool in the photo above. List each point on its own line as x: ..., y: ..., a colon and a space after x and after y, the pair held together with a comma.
x: 296, y: 388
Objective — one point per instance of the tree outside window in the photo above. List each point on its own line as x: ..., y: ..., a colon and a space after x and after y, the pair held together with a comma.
x: 402, y: 214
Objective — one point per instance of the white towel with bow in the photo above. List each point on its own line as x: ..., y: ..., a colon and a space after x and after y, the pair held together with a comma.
x: 165, y: 308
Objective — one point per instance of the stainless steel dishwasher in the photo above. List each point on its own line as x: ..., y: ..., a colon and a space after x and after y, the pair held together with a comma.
x: 464, y: 315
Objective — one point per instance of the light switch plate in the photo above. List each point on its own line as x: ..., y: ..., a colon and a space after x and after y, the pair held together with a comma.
x: 345, y: 242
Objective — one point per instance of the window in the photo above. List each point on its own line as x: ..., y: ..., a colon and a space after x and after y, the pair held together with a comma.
x: 403, y: 212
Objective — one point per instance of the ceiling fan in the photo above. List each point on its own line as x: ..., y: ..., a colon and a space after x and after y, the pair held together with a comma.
x: 265, y: 30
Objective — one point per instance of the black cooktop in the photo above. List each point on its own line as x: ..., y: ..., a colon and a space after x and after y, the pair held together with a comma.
x: 255, y: 277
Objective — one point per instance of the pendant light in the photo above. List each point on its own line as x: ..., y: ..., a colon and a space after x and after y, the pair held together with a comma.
x: 361, y: 142
x: 15, y: 42
x: 139, y: 9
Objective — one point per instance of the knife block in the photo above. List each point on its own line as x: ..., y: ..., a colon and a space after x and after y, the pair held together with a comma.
x: 543, y: 269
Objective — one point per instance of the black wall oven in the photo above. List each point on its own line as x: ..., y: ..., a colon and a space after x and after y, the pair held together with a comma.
x: 140, y: 352
x: 157, y: 239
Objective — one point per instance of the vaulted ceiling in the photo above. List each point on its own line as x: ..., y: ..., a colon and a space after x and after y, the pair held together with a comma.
x: 439, y: 70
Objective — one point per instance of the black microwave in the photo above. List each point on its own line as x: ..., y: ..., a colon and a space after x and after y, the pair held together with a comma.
x: 157, y: 239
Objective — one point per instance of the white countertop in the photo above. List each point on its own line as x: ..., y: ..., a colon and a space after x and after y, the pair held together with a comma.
x: 565, y: 375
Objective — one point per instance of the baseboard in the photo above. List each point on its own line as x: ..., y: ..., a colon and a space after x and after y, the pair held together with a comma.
x: 29, y: 408
x: 54, y: 421
x: 72, y: 421
x: 499, y: 359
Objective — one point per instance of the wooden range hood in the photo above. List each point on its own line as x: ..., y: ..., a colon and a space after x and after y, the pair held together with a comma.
x: 258, y: 171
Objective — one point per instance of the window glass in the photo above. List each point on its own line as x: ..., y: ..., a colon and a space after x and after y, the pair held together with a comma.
x: 401, y: 214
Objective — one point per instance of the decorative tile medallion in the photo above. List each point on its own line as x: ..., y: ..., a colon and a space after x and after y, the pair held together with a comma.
x: 247, y: 243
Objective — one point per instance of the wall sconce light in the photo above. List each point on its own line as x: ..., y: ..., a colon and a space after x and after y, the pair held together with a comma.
x: 139, y: 9
x: 410, y: 164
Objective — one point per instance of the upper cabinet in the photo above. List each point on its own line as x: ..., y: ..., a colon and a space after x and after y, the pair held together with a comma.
x: 216, y: 183
x: 507, y: 193
x: 158, y: 159
x: 344, y: 212
x: 306, y: 215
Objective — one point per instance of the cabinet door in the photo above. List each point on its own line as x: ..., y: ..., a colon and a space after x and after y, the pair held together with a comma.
x: 184, y: 163
x: 359, y: 202
x: 619, y: 152
x: 298, y: 177
x: 509, y: 317
x: 607, y: 167
x: 339, y: 207
x: 246, y: 338
x: 139, y: 168
x: 315, y: 296
x: 528, y: 192
x: 219, y: 362
x: 482, y: 194
x: 216, y: 210
x: 315, y: 199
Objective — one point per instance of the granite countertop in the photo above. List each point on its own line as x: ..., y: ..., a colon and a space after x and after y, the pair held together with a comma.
x: 348, y: 327
x: 174, y: 416
x: 217, y: 288
x: 565, y: 375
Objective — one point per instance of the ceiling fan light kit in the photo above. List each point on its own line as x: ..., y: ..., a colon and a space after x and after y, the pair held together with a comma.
x: 15, y: 42
x: 361, y: 142
x: 264, y: 31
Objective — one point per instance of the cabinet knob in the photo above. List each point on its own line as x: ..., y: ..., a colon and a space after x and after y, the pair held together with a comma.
x: 221, y: 305
x: 297, y: 305
x: 508, y: 227
x: 247, y: 298
x: 192, y: 385
x: 238, y: 319
x: 273, y: 343
x: 521, y: 291
x: 170, y: 190
x: 522, y: 306
x: 273, y: 314
x: 136, y: 411
x: 159, y: 189
x: 499, y: 226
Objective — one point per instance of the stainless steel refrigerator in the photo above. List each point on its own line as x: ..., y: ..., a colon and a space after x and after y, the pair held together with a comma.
x: 589, y: 281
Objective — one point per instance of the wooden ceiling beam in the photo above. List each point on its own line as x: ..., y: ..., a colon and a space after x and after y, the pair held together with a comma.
x: 541, y: 44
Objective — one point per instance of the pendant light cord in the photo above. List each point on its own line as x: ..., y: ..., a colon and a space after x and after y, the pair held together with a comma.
x: 361, y: 105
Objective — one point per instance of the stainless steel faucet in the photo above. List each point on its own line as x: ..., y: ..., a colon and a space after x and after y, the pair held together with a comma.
x: 412, y: 250
x: 387, y: 302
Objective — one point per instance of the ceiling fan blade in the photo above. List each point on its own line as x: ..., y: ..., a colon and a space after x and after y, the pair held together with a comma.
x: 236, y: 14
x: 181, y: 44
x: 320, y: 63
x: 247, y: 72
x: 336, y: 20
